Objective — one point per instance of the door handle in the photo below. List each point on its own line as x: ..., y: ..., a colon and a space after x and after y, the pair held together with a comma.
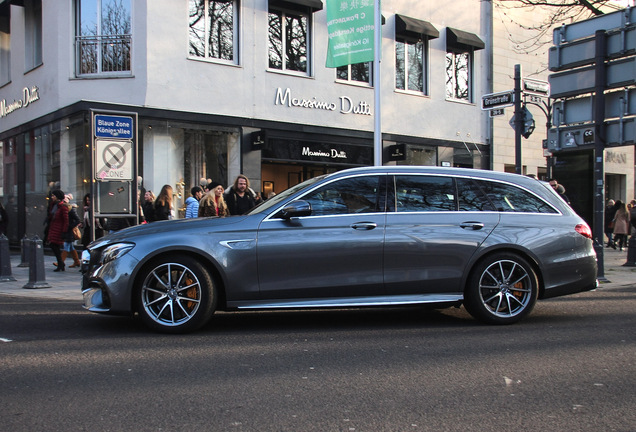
x: 472, y: 225
x: 364, y: 226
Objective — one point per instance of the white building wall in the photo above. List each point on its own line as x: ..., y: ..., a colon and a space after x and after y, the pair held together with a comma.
x: 163, y: 77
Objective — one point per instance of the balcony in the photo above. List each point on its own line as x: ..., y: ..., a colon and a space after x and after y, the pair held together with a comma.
x: 103, y: 55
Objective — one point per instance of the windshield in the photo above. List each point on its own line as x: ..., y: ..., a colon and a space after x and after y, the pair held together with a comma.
x: 279, y: 198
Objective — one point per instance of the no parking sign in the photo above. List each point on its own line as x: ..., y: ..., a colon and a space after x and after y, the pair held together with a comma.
x: 113, y: 160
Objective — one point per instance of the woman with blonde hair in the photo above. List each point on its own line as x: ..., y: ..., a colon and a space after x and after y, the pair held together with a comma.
x: 163, y: 204
x: 213, y: 203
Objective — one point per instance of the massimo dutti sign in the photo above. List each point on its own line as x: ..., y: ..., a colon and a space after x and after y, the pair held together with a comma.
x: 29, y: 95
x: 344, y: 104
x: 315, y: 151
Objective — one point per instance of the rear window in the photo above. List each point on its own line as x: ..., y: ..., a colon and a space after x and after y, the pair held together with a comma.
x: 509, y: 198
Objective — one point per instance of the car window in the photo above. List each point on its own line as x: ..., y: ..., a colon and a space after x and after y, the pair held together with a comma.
x: 509, y: 198
x: 471, y: 198
x: 415, y: 193
x: 346, y: 196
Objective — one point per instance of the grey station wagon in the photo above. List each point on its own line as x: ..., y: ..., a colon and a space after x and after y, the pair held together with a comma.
x: 374, y: 236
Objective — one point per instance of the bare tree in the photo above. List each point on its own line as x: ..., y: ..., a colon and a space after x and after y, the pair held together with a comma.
x: 556, y: 13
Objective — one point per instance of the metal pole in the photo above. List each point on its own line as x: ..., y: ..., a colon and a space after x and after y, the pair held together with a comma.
x: 377, y: 120
x: 599, y: 147
x: 518, y: 119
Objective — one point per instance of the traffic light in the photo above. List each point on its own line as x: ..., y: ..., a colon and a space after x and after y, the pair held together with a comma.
x: 528, y: 122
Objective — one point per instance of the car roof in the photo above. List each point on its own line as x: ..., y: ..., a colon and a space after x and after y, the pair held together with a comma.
x: 451, y: 171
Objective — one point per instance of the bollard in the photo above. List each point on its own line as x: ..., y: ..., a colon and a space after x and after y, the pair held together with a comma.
x: 631, y: 252
x: 24, y: 254
x: 37, y: 278
x: 5, y: 260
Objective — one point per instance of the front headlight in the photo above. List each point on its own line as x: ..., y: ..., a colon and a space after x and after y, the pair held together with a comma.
x: 115, y: 251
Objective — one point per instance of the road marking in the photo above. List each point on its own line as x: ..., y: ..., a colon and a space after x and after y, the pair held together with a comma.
x: 5, y: 340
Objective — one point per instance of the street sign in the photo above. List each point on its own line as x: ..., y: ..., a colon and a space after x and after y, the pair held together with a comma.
x: 498, y: 100
x: 587, y: 28
x: 580, y: 110
x: 111, y: 126
x: 617, y: 133
x: 113, y: 160
x: 536, y: 87
x: 582, y: 53
x: 575, y: 82
x: 495, y: 112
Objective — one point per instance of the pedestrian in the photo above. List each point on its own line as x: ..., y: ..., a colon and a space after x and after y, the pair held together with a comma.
x: 4, y: 220
x: 213, y: 202
x: 57, y: 223
x: 561, y: 191
x: 621, y: 224
x: 148, y: 207
x: 240, y: 199
x: 192, y: 203
x: 87, y: 235
x: 610, y: 212
x: 69, y: 236
x: 163, y: 204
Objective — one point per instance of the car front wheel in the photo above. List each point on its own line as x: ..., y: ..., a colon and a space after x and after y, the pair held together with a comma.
x: 502, y: 289
x: 177, y: 295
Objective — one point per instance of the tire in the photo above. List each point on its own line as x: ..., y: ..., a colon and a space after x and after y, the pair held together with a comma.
x: 502, y: 289
x: 177, y: 295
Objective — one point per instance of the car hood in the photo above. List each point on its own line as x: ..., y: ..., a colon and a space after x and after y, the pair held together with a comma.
x: 172, y: 226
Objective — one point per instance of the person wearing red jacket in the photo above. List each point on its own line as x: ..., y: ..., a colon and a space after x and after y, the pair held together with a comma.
x: 58, y: 225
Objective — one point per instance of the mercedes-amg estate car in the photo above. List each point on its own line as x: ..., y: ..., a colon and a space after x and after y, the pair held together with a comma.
x: 490, y: 241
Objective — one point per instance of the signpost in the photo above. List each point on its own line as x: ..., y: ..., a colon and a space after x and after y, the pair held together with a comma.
x: 114, y: 165
x: 593, y: 119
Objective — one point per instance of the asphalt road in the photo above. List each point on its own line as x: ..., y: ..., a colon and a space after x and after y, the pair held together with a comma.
x: 570, y: 366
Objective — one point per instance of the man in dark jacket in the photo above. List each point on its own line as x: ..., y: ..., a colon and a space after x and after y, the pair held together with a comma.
x: 239, y: 198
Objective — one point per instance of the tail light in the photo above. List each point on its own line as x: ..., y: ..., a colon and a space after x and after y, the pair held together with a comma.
x: 584, y: 230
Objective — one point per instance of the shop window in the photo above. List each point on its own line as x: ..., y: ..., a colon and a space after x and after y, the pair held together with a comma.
x: 33, y: 33
x: 103, y: 37
x: 213, y: 30
x: 411, y: 53
x: 460, y: 47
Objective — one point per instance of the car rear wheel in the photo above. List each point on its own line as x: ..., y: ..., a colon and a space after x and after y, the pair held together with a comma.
x: 502, y: 289
x: 177, y: 295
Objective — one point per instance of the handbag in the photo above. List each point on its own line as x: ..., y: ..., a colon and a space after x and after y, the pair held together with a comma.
x: 77, y: 234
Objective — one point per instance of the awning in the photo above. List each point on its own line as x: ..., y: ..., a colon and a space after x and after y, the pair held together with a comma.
x: 301, y: 5
x: 414, y: 27
x: 463, y: 40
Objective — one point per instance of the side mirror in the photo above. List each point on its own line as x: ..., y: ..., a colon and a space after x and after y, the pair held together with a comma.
x: 295, y: 209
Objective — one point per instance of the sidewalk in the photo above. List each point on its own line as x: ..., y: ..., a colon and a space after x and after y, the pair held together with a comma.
x: 66, y: 285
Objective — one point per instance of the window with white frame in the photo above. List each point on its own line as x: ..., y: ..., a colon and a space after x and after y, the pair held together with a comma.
x: 213, y: 29
x: 458, y: 74
x: 32, y: 33
x: 411, y: 53
x: 103, y: 37
x: 289, y: 43
x: 460, y: 48
x: 359, y: 72
x: 5, y: 56
x: 410, y: 58
x: 5, y: 43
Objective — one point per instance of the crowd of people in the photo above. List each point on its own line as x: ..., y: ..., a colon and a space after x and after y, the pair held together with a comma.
x: 63, y: 225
